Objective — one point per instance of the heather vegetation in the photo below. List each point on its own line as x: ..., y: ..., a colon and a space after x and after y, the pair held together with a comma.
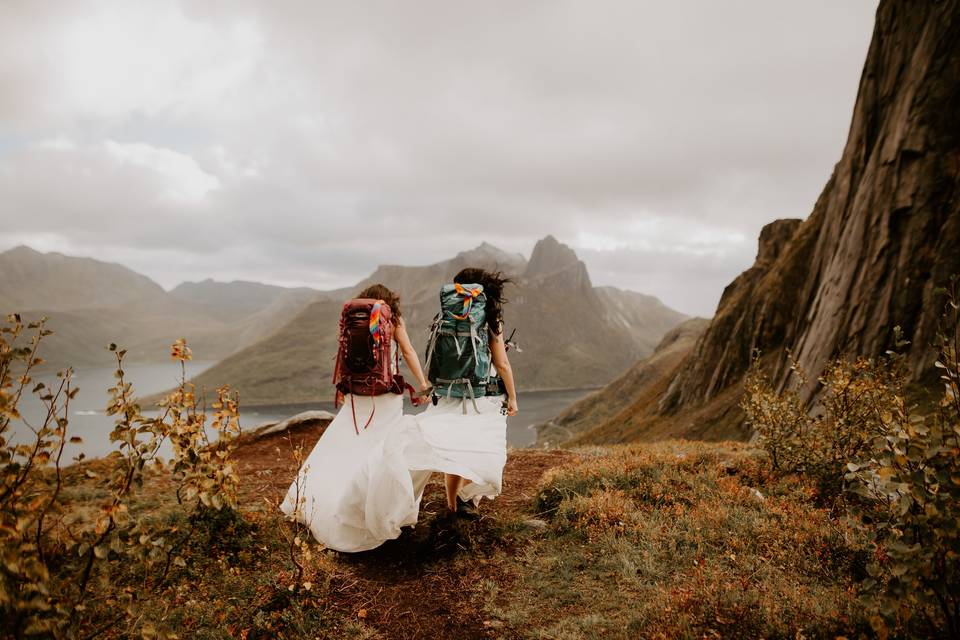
x: 837, y: 522
x: 684, y: 539
x: 119, y: 547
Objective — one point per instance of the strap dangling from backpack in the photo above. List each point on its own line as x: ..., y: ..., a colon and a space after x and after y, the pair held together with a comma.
x: 353, y: 410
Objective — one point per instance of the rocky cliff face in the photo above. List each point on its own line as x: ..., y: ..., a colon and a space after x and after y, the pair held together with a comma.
x: 884, y: 234
x: 756, y: 311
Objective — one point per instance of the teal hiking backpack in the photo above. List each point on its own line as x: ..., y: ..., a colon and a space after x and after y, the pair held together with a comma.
x: 458, y: 351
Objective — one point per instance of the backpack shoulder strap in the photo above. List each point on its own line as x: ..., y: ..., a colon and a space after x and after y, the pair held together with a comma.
x: 434, y: 333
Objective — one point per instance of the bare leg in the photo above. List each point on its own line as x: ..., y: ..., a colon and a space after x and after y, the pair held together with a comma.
x: 453, y: 484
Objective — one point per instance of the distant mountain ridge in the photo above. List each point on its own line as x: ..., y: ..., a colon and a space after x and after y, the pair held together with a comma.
x: 572, y: 334
x: 90, y: 303
x: 238, y: 298
x: 275, y: 344
x: 54, y: 282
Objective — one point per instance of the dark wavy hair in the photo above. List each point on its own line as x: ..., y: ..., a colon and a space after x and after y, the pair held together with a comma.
x: 493, y: 284
x: 380, y: 292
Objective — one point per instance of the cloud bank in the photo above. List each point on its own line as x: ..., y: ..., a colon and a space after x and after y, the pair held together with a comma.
x: 302, y: 142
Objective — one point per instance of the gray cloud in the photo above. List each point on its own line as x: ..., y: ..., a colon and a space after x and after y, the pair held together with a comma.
x: 304, y: 142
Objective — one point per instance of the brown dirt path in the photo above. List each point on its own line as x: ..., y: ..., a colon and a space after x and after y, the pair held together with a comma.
x: 425, y: 583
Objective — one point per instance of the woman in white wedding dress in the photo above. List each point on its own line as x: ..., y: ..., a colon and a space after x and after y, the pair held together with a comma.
x: 467, y: 426
x: 355, y: 489
x: 365, y: 477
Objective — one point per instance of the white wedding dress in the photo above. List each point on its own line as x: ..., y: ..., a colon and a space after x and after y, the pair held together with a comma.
x: 355, y: 491
x: 471, y: 445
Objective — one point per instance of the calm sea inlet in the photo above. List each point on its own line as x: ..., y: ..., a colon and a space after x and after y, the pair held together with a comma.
x: 89, y: 421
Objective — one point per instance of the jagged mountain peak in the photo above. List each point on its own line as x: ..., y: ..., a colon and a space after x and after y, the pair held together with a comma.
x: 489, y: 255
x: 550, y: 256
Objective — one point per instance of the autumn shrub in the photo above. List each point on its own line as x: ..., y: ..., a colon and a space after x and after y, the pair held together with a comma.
x: 899, y: 468
x: 70, y: 571
x: 910, y: 489
x: 604, y: 512
x: 854, y: 395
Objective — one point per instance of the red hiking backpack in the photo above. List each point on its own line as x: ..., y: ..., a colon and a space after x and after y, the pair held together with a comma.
x: 366, y: 360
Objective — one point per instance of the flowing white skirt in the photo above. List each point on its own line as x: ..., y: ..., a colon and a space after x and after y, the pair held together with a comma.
x: 471, y: 445
x: 355, y: 491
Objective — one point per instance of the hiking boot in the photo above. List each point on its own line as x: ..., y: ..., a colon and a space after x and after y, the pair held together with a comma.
x: 467, y: 510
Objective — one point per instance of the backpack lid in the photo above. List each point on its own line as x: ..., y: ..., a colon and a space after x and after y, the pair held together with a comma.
x: 458, y: 299
x: 380, y: 314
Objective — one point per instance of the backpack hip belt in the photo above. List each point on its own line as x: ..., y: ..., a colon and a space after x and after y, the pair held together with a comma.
x: 469, y: 386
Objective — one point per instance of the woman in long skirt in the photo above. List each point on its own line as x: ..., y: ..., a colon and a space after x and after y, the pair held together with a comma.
x: 466, y: 429
x: 355, y: 489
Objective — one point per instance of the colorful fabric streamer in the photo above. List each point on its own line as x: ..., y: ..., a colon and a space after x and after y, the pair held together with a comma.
x: 375, y: 321
x: 468, y: 297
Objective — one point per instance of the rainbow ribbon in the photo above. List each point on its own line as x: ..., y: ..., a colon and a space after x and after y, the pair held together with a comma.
x: 468, y: 297
x: 375, y: 321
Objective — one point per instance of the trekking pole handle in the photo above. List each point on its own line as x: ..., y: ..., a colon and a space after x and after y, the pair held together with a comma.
x: 510, y: 343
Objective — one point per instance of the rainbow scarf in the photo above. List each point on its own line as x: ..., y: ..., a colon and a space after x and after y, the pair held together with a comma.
x: 375, y: 321
x: 468, y: 297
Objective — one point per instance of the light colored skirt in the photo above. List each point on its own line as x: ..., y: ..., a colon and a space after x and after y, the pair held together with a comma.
x: 471, y: 445
x: 355, y: 491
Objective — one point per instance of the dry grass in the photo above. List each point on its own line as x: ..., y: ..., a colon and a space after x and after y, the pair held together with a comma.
x: 643, y: 541
x: 683, y: 540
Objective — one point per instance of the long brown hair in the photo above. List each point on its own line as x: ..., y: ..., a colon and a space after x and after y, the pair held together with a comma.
x: 380, y: 292
x: 493, y: 283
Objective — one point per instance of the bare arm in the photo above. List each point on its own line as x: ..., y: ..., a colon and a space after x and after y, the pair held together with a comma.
x: 498, y: 352
x: 409, y: 355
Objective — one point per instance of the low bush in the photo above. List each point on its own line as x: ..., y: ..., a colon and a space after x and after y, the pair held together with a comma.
x: 900, y: 470
x: 854, y: 395
x: 69, y: 570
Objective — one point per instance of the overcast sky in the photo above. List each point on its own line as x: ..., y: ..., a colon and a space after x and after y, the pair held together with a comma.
x: 303, y: 143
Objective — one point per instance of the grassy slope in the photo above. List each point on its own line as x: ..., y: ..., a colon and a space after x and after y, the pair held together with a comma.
x: 659, y: 541
x: 682, y: 539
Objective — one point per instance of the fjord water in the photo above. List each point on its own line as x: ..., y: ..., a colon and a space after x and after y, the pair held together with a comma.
x: 89, y: 420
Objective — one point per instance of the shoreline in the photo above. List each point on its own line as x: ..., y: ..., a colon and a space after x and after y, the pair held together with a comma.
x: 307, y: 404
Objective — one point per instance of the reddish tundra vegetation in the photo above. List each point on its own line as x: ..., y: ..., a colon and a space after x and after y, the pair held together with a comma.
x: 837, y: 525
